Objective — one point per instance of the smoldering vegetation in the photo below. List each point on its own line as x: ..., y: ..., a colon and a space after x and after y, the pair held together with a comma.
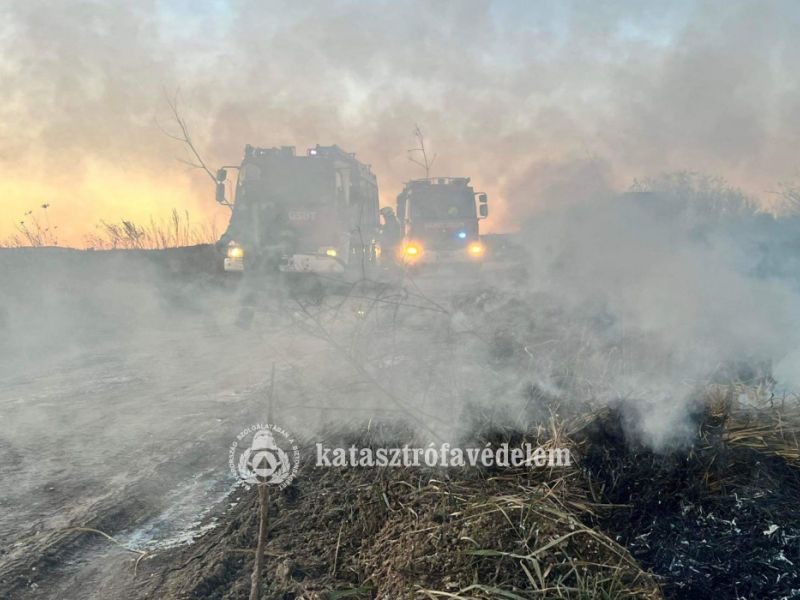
x: 717, y: 520
x: 670, y: 287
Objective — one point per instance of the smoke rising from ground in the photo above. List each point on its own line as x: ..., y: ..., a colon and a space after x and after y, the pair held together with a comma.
x: 670, y: 290
x: 507, y: 93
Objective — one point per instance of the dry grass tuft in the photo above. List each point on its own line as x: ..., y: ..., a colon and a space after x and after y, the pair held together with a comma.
x: 749, y: 418
x: 176, y: 230
x: 33, y: 230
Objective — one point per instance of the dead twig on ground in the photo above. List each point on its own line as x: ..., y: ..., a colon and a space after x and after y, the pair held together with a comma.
x: 263, y: 510
x: 141, y: 553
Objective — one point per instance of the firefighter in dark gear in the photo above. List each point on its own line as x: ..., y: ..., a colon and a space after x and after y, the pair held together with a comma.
x: 391, y: 234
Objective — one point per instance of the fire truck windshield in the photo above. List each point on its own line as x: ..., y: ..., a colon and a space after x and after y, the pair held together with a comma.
x: 442, y: 205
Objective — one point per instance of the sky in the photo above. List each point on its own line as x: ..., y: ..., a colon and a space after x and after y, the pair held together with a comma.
x: 527, y: 98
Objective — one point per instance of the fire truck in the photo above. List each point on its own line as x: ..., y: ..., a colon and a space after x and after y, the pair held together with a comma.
x: 439, y: 217
x: 316, y: 213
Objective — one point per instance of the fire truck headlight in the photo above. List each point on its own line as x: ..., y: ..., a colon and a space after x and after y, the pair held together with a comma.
x: 235, y: 252
x: 331, y: 252
x: 476, y: 249
x: 413, y: 250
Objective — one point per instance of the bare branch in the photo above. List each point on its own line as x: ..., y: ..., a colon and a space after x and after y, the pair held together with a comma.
x: 185, y: 138
x: 425, y: 163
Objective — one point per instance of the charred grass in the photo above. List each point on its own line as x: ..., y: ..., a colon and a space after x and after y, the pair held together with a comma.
x: 416, y: 533
x: 716, y: 518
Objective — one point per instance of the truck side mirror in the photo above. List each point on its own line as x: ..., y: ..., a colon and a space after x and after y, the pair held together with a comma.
x: 483, y: 207
x: 222, y: 175
x: 221, y: 192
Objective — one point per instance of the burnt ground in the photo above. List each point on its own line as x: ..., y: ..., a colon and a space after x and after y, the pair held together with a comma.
x: 714, y: 520
x: 402, y: 533
x: 126, y: 376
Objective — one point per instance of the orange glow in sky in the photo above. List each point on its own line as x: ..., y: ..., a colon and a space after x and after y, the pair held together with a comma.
x: 107, y: 193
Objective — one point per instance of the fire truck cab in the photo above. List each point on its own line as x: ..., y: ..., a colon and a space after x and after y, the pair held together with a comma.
x: 440, y: 221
